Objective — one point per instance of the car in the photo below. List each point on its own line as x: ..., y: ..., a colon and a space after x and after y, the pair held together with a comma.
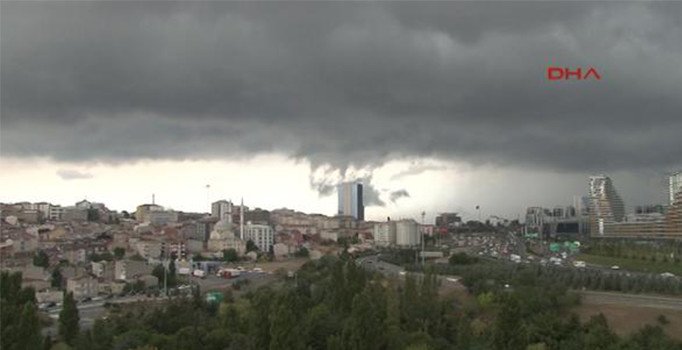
x: 402, y: 273
x: 615, y: 267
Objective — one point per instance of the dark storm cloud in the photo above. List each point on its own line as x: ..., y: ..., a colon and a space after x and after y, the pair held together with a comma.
x: 395, y: 195
x: 344, y: 84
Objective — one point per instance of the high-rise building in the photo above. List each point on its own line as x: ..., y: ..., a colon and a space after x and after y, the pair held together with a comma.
x: 606, y: 206
x: 222, y: 210
x: 675, y: 185
x: 350, y: 200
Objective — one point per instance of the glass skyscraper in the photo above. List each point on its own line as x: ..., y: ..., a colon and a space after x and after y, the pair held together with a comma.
x: 350, y: 200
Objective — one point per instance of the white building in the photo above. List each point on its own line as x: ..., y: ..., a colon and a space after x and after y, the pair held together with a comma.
x: 385, y: 233
x: 675, y: 185
x: 55, y: 213
x: 407, y: 233
x: 262, y: 235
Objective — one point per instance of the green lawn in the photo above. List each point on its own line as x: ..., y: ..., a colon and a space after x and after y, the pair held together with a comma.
x: 633, y: 264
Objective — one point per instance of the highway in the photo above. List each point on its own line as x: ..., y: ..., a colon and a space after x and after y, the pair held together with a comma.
x: 589, y: 297
x: 90, y: 311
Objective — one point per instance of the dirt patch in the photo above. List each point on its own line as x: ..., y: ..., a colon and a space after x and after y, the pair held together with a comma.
x: 289, y: 264
x: 625, y: 319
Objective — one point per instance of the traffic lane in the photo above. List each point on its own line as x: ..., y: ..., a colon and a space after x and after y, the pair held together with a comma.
x: 214, y: 282
x: 373, y: 263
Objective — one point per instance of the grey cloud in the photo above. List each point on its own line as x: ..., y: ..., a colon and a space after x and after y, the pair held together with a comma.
x: 416, y: 169
x: 344, y: 85
x: 395, y: 195
x: 72, y: 174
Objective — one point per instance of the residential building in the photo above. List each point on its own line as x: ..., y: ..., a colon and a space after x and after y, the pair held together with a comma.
x: 222, y: 210
x: 261, y: 235
x: 131, y: 269
x: 103, y: 269
x: 155, y: 214
x: 82, y: 287
x: 56, y: 213
x: 351, y: 200
x: 385, y: 233
x: 74, y: 214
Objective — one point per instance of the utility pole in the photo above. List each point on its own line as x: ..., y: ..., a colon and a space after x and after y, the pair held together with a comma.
x: 165, y: 275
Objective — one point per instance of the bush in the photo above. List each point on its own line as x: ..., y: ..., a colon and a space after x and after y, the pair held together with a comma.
x: 462, y: 259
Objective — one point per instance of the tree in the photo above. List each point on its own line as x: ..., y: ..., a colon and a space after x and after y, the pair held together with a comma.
x: 119, y: 253
x: 159, y: 273
x: 251, y: 247
x: 93, y: 214
x: 230, y: 255
x: 68, y: 320
x: 28, y: 332
x: 41, y: 259
x: 303, y: 253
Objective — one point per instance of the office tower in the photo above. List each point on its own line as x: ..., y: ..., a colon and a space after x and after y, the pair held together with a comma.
x: 350, y: 200
x: 606, y: 206
x: 675, y: 185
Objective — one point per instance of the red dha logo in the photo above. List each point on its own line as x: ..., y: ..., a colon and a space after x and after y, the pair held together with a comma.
x: 559, y: 73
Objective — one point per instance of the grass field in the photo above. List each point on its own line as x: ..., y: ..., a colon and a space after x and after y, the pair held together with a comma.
x: 625, y: 319
x: 633, y: 264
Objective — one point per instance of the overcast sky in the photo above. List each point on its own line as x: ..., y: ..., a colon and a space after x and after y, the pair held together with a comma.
x: 435, y: 106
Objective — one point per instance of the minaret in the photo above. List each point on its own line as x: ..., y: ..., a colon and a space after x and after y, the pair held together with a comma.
x: 241, y: 220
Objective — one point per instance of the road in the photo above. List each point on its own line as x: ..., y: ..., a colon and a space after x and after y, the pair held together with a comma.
x: 589, y: 297
x: 90, y: 311
x: 373, y: 263
x: 642, y: 300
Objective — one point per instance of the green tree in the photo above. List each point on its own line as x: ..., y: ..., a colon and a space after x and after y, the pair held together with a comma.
x: 68, y: 319
x: 119, y: 253
x: 508, y: 331
x: 303, y: 253
x: 93, y: 214
x: 285, y: 331
x: 41, y: 259
x: 365, y: 327
x: 28, y: 331
x: 251, y: 246
x: 56, y: 279
x: 230, y: 255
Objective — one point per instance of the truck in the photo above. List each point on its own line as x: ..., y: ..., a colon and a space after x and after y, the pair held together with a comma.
x: 228, y: 273
x: 199, y: 273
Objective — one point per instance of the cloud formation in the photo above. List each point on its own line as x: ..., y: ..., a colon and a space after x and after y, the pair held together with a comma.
x: 72, y: 174
x: 344, y: 85
x: 395, y: 195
